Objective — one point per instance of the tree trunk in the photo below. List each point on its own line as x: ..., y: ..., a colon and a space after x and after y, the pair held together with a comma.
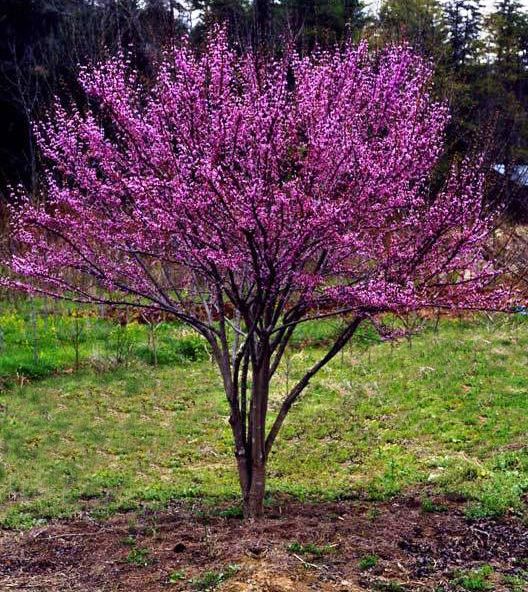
x: 252, y: 477
x: 254, y: 499
x: 252, y: 448
x: 252, y: 460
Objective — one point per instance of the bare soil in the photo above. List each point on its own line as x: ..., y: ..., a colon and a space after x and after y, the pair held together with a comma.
x: 139, y: 551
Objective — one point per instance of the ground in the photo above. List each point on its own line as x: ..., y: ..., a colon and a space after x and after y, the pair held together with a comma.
x: 347, y: 546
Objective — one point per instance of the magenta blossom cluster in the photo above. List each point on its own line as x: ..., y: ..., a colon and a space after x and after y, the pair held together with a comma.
x: 232, y: 178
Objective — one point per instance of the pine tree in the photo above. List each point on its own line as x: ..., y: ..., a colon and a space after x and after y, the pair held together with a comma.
x: 464, y: 23
x: 507, y: 27
x: 236, y: 15
x: 323, y: 21
x: 507, y: 88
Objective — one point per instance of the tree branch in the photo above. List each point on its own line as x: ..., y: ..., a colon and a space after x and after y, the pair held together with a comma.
x: 296, y: 391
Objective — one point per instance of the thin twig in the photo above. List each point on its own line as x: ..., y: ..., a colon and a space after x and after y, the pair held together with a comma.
x: 309, y: 564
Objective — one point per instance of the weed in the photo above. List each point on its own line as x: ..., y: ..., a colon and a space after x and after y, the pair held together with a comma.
x: 373, y: 514
x: 517, y: 582
x: 232, y: 512
x: 36, y: 370
x: 500, y: 493
x: 129, y: 541
x: 368, y: 562
x: 138, y: 556
x: 387, y: 586
x: 176, y: 576
x: 474, y: 580
x: 310, y: 549
x: 430, y: 506
x: 478, y: 511
x: 210, y: 580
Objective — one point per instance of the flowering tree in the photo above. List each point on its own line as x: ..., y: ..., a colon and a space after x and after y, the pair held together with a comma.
x: 244, y: 196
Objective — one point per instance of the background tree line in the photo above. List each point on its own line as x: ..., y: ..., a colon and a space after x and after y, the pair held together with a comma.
x: 481, y: 58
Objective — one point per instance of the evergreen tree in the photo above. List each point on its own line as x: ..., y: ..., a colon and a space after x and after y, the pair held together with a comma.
x: 236, y: 14
x: 464, y: 24
x: 507, y: 85
x: 420, y: 22
x: 507, y: 28
x: 322, y: 21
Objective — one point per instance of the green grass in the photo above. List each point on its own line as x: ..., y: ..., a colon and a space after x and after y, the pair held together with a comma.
x: 310, y: 549
x: 448, y: 412
x: 516, y: 582
x: 210, y: 580
x: 431, y: 507
x: 384, y: 586
x: 176, y: 576
x: 41, y: 337
x: 475, y: 580
x: 138, y: 556
x: 368, y: 562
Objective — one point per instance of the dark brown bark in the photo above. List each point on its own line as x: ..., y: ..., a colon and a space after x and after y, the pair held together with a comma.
x: 254, y: 501
x: 254, y: 494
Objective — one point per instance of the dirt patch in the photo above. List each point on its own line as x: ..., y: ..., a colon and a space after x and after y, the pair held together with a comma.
x: 347, y: 546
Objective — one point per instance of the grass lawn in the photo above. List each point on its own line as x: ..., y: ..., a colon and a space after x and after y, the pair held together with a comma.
x: 447, y: 413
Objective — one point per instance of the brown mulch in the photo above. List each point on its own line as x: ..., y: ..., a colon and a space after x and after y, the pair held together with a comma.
x: 417, y: 550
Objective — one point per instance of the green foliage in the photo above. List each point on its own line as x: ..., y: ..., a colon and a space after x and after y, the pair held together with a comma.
x: 122, y: 340
x: 232, y: 512
x: 310, y: 549
x: 373, y: 514
x: 431, y: 507
x: 475, y: 580
x: 500, y: 492
x: 387, y: 586
x: 210, y: 580
x: 36, y: 370
x: 419, y: 21
x: 190, y: 348
x: 315, y: 333
x: 39, y: 338
x: 322, y: 22
x: 516, y: 582
x: 129, y: 541
x: 368, y: 562
x: 172, y: 347
x: 138, y: 556
x: 176, y: 576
